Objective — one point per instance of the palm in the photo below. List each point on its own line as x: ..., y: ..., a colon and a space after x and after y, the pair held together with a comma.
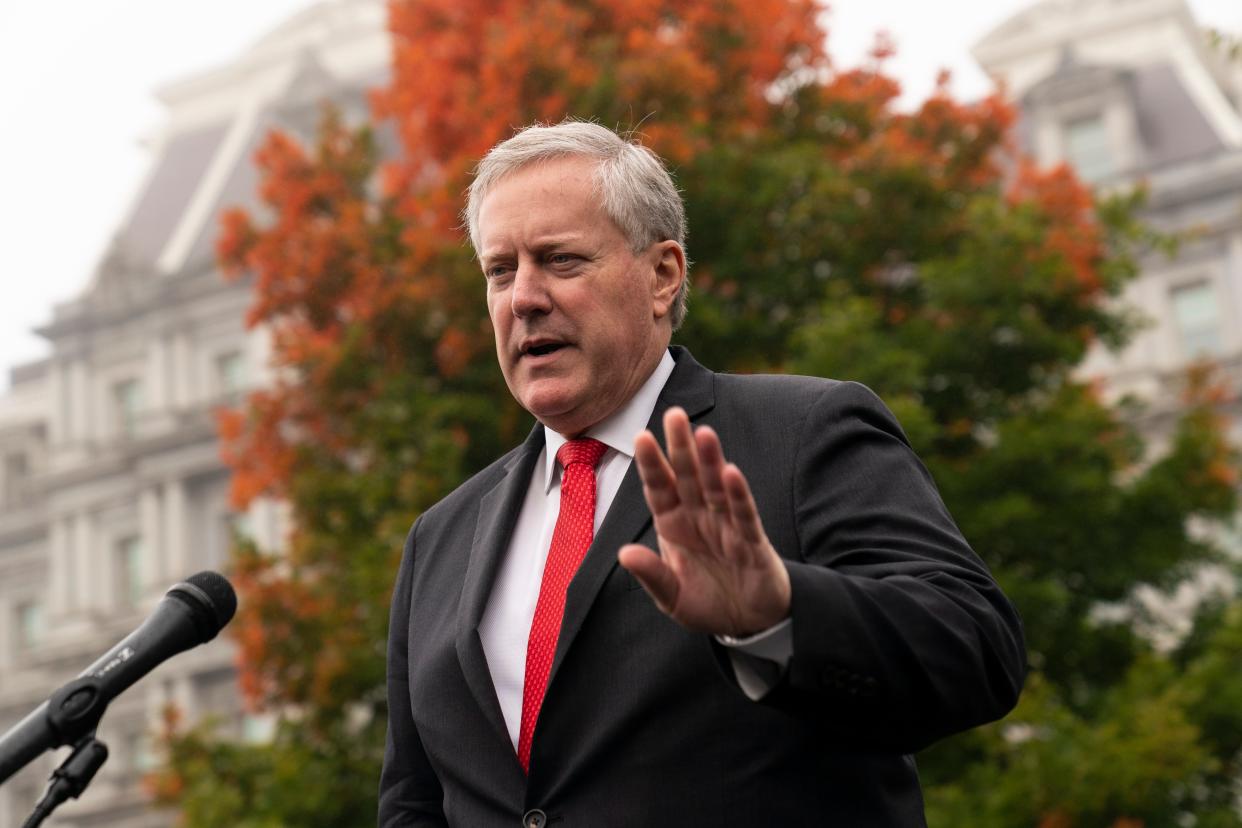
x: 717, y: 571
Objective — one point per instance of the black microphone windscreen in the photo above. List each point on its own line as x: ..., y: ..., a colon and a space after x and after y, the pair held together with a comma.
x: 219, y: 592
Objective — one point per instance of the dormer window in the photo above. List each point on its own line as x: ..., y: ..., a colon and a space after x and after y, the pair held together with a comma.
x: 1088, y: 149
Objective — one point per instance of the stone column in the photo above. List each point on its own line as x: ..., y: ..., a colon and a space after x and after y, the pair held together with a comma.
x: 61, y: 596
x: 258, y: 355
x: 153, y: 573
x: 93, y: 576
x: 8, y: 643
x: 176, y: 532
x: 83, y: 409
x: 181, y: 385
x: 58, y: 423
x: 157, y: 374
x: 1233, y: 289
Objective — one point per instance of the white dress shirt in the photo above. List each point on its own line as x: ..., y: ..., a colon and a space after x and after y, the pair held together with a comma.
x: 505, y: 628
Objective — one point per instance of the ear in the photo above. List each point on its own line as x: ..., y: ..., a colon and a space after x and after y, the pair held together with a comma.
x: 668, y: 271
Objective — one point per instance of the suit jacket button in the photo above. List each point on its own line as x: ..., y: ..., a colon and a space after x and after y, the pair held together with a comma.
x: 534, y: 818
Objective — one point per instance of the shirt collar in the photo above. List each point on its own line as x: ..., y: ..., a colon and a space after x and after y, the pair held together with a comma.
x: 617, y: 430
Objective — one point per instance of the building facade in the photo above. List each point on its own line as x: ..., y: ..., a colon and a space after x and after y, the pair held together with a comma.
x: 112, y: 488
x: 1136, y: 92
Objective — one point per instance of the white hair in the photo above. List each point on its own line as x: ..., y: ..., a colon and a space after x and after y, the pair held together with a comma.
x: 635, y: 188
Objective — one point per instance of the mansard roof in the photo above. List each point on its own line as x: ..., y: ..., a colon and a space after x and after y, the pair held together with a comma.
x: 1059, y: 19
x: 204, y: 157
x: 1171, y: 125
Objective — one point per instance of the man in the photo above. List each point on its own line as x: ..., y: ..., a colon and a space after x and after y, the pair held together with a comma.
x: 812, y: 615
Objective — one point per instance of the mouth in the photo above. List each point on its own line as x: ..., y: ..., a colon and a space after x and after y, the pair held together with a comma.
x: 541, y: 347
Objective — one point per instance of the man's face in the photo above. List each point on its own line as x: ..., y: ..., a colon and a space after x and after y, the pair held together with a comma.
x: 580, y: 319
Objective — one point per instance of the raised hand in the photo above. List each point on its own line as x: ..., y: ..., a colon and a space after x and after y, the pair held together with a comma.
x: 716, y: 571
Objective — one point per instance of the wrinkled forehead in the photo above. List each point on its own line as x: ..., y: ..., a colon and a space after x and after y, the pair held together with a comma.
x: 585, y: 169
x: 550, y: 197
x: 581, y: 169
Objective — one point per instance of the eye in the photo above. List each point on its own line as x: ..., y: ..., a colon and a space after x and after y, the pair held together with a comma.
x: 562, y: 259
x: 496, y: 271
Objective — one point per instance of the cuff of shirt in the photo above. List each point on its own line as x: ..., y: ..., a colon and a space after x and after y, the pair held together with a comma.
x: 760, y: 660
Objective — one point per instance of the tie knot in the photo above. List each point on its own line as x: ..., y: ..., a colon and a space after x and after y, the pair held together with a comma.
x: 585, y: 450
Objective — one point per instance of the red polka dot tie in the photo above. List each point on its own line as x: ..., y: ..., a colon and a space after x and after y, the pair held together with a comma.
x: 575, y: 527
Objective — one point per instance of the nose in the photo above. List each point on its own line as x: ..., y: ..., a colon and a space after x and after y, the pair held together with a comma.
x: 530, y: 294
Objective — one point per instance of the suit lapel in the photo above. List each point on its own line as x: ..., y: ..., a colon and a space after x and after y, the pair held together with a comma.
x: 690, y: 386
x: 498, y: 513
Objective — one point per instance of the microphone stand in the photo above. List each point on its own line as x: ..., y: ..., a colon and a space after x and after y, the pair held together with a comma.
x: 67, y: 718
x: 70, y: 779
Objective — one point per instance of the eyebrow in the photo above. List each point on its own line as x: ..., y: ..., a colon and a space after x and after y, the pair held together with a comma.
x: 541, y: 244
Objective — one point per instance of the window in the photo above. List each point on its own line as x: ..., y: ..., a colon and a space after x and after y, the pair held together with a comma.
x: 1087, y: 148
x: 1197, y: 316
x: 29, y: 624
x: 230, y: 372
x: 126, y: 401
x: 128, y: 570
x: 16, y: 470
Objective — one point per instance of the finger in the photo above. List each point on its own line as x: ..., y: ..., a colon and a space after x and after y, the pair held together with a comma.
x: 659, y: 484
x: 683, y: 456
x: 742, y: 505
x: 653, y: 573
x: 711, y: 469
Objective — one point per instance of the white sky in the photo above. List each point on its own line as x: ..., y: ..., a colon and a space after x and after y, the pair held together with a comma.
x: 76, y: 84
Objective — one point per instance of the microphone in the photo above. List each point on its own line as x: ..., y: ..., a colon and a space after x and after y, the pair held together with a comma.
x: 189, y: 614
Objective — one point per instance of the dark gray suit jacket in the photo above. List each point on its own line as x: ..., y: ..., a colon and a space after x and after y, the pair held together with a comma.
x: 900, y: 638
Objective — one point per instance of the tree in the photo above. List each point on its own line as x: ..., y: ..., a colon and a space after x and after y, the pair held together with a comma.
x: 833, y: 235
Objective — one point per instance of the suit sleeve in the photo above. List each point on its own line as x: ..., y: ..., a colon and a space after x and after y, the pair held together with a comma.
x: 900, y: 634
x: 410, y: 795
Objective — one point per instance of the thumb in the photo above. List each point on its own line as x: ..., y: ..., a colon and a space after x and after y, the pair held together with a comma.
x: 653, y: 573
